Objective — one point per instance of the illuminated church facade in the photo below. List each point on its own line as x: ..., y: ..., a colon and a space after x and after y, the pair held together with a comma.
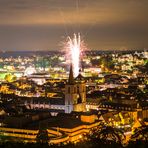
x: 75, y: 94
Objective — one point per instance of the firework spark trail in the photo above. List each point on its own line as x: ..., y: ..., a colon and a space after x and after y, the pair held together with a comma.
x: 74, y: 47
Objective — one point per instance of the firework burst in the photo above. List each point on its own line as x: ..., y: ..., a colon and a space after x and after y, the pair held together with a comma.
x: 74, y: 48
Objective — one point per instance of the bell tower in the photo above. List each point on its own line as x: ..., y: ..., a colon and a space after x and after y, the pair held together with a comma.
x: 81, y: 91
x: 70, y: 92
x: 75, y: 94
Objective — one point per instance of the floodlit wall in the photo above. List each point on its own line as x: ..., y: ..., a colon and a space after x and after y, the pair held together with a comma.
x: 71, y: 135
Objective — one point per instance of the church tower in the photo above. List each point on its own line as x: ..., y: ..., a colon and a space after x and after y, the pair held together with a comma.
x: 75, y: 94
x: 81, y: 91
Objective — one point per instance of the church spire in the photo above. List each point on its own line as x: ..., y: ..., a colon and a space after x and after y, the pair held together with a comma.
x: 71, y: 78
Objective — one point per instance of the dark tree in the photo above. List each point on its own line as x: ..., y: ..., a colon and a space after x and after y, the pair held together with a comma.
x: 42, y: 136
x: 140, y: 133
x: 108, y: 135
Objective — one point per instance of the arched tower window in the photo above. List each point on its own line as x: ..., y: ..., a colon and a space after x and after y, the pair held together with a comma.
x: 77, y: 89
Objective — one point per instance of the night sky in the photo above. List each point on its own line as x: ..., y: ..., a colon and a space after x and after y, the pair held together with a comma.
x: 44, y: 24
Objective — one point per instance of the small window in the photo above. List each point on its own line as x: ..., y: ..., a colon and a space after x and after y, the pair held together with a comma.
x: 69, y: 90
x: 68, y: 102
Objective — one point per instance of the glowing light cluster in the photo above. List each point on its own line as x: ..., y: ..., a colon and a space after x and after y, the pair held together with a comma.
x: 74, y: 48
x: 29, y: 70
